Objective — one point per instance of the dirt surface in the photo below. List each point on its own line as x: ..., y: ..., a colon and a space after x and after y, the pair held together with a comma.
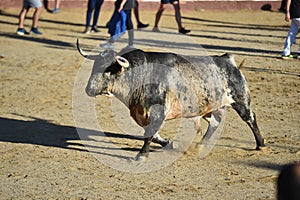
x: 42, y: 156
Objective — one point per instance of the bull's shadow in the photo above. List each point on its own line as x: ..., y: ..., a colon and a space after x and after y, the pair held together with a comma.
x: 43, y: 132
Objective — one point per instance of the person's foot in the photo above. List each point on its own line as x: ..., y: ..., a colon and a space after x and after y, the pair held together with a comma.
x: 22, y: 31
x: 56, y: 10
x: 155, y: 29
x: 107, y: 45
x: 86, y: 30
x: 184, y: 31
x: 36, y: 31
x: 288, y: 57
x: 141, y: 25
x: 95, y: 30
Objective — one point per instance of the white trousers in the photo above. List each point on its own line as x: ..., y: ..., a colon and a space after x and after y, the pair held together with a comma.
x: 290, y: 38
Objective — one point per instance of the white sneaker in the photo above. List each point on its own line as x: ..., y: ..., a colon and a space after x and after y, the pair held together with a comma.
x: 107, y: 45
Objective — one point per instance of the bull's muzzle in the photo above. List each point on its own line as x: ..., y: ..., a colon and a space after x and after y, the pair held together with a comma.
x: 91, y: 93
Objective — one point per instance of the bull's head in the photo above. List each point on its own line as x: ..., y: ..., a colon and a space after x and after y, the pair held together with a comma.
x: 106, y: 67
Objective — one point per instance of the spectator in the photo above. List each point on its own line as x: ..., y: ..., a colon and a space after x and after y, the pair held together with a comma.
x: 137, y: 17
x: 120, y: 21
x: 93, y: 6
x: 56, y: 6
x: 162, y: 7
x: 292, y: 13
x: 27, y: 4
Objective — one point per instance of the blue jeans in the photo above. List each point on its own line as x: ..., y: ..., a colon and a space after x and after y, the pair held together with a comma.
x: 295, y: 26
x: 129, y: 28
x: 93, y: 5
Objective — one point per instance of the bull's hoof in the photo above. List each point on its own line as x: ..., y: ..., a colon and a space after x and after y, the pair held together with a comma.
x: 141, y: 157
x: 165, y: 143
x: 261, y: 148
x: 170, y: 145
x: 162, y: 142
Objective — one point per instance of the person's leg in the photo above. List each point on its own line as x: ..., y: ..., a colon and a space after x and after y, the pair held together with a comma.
x: 136, y: 12
x: 98, y: 5
x: 298, y: 25
x: 90, y: 8
x: 178, y: 17
x: 290, y: 37
x: 129, y: 26
x: 22, y: 17
x: 137, y: 16
x: 161, y: 9
x: 36, y: 16
x: 57, y: 3
x: 56, y: 6
x: 177, y: 13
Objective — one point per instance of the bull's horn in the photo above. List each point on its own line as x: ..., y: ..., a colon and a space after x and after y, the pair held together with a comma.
x: 122, y: 61
x: 80, y: 50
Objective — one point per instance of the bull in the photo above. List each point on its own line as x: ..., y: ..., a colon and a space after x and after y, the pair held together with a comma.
x: 157, y: 86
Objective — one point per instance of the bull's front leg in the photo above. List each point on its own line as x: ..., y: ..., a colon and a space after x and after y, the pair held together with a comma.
x: 145, y: 149
x: 159, y: 140
x: 156, y: 118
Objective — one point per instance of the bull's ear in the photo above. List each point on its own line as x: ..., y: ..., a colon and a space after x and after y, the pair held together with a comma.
x: 122, y: 62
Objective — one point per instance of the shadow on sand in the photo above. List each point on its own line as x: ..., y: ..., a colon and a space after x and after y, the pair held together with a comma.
x: 43, y: 132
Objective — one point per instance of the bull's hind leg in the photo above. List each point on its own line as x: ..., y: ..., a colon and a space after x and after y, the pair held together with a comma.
x: 156, y: 116
x: 243, y: 109
x: 214, y: 119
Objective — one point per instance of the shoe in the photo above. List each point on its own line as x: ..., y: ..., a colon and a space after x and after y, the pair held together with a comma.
x: 184, y: 31
x: 107, y: 45
x: 95, y: 30
x: 141, y: 25
x: 155, y: 29
x: 288, y: 57
x: 86, y: 30
x: 22, y: 31
x: 36, y: 31
x: 56, y: 10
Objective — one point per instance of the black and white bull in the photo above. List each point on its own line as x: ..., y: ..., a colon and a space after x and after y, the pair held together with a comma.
x: 159, y: 86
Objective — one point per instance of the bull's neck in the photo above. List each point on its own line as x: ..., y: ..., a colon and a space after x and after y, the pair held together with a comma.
x: 121, y: 90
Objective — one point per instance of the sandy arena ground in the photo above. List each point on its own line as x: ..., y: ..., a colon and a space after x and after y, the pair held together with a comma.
x: 42, y: 156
